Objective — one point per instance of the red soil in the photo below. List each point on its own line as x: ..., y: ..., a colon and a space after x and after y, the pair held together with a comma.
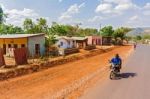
x: 44, y: 84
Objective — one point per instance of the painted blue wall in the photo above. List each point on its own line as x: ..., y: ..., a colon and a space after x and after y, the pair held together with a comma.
x: 36, y: 40
x: 66, y: 44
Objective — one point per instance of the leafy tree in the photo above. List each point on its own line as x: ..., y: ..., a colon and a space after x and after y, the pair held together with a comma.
x: 2, y: 16
x: 42, y: 25
x: 10, y: 29
x: 58, y: 30
x: 107, y: 31
x: 119, y: 33
x: 29, y: 26
x: 71, y: 30
x: 138, y: 37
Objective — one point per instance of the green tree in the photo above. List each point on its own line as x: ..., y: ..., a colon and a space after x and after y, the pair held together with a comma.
x: 107, y: 31
x: 29, y: 26
x: 42, y: 25
x: 2, y: 16
x: 58, y: 30
x: 119, y: 33
x: 138, y: 37
x: 10, y: 29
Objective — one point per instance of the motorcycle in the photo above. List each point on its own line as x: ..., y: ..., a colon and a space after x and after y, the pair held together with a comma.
x: 114, y: 74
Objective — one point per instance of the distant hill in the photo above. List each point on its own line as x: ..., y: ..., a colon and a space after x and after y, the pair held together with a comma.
x: 139, y: 31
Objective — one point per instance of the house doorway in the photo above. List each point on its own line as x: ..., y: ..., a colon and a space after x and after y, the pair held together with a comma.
x: 37, y: 49
x: 15, y: 46
x: 4, y: 48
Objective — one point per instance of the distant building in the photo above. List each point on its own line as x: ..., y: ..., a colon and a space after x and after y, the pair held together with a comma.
x: 106, y: 40
x: 71, y: 42
x: 35, y: 43
x: 80, y: 42
x: 99, y: 40
x: 94, y: 40
x: 65, y: 42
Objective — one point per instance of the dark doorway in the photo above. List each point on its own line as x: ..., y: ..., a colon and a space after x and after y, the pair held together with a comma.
x: 37, y: 49
x: 15, y: 46
x: 23, y: 46
x: 4, y: 48
x: 9, y: 45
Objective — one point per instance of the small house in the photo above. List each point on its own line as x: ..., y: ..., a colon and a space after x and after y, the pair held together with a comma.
x: 94, y: 40
x: 80, y: 42
x: 99, y: 40
x: 106, y: 40
x: 35, y: 43
x: 65, y: 42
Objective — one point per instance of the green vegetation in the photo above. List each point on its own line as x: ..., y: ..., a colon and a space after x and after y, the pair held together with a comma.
x: 107, y: 31
x: 41, y: 26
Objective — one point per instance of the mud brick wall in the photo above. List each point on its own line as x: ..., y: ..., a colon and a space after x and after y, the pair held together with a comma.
x: 2, y: 61
x: 20, y: 55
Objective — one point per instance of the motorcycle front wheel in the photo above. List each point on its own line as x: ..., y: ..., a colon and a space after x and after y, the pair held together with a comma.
x: 112, y: 75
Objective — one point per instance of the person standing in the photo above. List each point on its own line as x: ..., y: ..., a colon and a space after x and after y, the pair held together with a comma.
x: 135, y: 46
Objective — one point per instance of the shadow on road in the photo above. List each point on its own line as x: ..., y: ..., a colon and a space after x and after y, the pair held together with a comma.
x: 127, y: 75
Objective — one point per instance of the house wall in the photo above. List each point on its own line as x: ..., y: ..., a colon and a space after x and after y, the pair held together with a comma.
x: 94, y: 40
x: 65, y: 42
x: 18, y: 41
x: 36, y: 40
x: 106, y: 40
x: 90, y: 40
x: 10, y: 51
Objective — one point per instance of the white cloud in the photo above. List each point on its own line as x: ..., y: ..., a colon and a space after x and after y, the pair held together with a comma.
x: 72, y: 10
x: 117, y: 7
x: 96, y: 19
x: 60, y: 0
x: 134, y: 18
x: 16, y: 17
x: 147, y: 6
x: 64, y: 17
x: 146, y: 9
x: 118, y: 1
x: 147, y: 12
x: 136, y: 21
x: 125, y: 6
x: 104, y: 8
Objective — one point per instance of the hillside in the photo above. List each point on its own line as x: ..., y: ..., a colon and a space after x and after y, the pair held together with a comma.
x: 139, y: 31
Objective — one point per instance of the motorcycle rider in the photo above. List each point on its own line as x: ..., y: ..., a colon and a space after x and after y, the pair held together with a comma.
x: 117, y: 61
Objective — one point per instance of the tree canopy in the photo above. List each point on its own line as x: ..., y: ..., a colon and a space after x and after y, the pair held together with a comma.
x: 107, y: 31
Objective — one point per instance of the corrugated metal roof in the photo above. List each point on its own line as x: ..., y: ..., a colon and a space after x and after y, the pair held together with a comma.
x: 70, y: 38
x: 79, y: 38
x: 19, y: 35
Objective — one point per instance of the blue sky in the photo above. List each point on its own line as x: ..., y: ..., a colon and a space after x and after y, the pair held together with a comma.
x: 91, y: 13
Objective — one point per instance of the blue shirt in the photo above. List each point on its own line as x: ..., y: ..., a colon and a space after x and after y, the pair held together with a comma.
x: 116, y: 61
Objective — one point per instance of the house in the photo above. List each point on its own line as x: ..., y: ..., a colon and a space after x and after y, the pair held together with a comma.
x: 99, y: 40
x: 71, y: 42
x: 35, y: 43
x: 80, y: 42
x: 65, y: 42
x: 106, y: 40
x: 94, y: 40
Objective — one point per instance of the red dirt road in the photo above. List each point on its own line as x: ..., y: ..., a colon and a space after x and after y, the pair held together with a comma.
x: 44, y: 84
